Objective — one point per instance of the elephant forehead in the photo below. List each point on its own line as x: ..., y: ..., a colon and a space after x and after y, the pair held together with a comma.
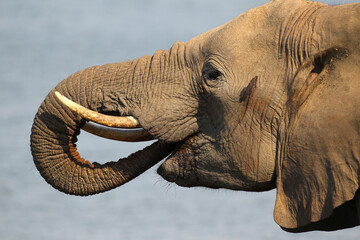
x: 259, y: 25
x: 250, y: 35
x: 236, y: 32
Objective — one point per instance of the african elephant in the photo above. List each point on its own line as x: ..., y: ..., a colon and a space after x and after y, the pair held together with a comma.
x: 268, y: 100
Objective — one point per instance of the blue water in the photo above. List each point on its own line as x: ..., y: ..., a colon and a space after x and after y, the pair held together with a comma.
x: 41, y: 43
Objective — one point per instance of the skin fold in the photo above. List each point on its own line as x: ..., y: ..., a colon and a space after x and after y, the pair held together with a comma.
x: 267, y: 100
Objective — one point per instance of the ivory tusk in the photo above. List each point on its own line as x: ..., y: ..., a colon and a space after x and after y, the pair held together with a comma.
x: 106, y: 120
x: 127, y: 135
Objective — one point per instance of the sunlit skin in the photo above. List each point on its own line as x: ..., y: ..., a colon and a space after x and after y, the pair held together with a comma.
x: 267, y: 100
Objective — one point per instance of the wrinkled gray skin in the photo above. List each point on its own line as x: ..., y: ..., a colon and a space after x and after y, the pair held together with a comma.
x: 269, y: 100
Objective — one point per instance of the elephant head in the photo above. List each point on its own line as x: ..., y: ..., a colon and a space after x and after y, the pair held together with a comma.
x: 268, y: 100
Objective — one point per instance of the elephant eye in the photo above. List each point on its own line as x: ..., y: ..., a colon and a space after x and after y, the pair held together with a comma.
x: 211, y: 75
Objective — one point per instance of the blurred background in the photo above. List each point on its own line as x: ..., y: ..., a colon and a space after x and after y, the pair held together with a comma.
x: 43, y: 42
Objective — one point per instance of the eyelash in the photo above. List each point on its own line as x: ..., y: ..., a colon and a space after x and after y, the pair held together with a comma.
x: 211, y: 75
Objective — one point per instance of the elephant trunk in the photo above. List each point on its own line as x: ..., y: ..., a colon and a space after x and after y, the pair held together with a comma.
x: 114, y: 89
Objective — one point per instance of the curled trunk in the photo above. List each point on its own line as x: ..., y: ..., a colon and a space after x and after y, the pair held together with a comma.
x: 151, y: 89
x: 55, y: 130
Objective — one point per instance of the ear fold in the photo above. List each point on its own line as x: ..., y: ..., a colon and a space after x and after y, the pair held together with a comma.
x: 318, y: 169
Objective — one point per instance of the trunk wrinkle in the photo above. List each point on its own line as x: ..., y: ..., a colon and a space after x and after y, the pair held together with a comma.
x: 54, y: 137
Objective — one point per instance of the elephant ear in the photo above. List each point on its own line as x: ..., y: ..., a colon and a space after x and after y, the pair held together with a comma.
x: 318, y: 163
x: 318, y: 167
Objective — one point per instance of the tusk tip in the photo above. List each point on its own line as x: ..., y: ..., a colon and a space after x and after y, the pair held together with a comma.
x: 61, y: 97
x: 58, y: 95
